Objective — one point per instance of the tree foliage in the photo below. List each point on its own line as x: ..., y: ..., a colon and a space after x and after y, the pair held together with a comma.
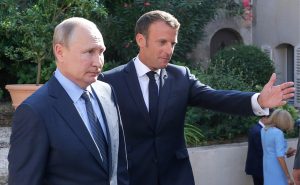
x: 27, y: 30
x: 193, y: 16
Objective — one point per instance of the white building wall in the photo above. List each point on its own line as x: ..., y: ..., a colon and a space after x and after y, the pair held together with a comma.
x: 276, y: 22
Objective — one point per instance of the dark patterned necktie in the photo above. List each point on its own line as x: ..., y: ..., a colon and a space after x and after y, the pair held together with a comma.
x: 153, y: 97
x: 96, y: 129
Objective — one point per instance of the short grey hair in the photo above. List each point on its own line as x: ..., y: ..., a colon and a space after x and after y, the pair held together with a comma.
x: 63, y: 32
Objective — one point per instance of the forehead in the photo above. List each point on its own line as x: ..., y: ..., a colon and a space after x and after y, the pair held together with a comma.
x: 87, y: 36
x: 162, y: 28
x: 159, y: 32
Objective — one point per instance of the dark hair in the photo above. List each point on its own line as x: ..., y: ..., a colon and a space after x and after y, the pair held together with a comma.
x: 143, y: 23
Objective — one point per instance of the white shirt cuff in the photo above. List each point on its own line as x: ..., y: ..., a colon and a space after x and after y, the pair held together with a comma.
x: 257, y: 110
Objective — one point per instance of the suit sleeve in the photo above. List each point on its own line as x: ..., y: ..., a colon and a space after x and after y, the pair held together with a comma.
x: 28, y: 151
x: 297, y: 157
x: 228, y: 101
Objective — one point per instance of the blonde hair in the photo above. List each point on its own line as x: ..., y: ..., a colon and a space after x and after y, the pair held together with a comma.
x: 282, y: 119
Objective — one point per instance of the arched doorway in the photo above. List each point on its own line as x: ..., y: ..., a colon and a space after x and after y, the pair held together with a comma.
x: 223, y: 38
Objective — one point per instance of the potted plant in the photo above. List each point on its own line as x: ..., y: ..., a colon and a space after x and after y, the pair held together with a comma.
x: 31, y: 39
x: 29, y: 29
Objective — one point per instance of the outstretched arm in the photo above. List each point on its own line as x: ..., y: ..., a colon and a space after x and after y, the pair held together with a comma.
x: 274, y: 96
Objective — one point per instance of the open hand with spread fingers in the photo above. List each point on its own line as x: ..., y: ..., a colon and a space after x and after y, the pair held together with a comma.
x: 274, y: 96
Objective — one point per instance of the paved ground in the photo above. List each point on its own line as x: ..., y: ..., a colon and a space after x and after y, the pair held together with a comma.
x: 4, y: 145
x: 6, y: 113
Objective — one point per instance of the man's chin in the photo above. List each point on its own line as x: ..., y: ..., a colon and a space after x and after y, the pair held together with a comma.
x: 164, y: 65
x: 94, y: 75
x: 92, y: 80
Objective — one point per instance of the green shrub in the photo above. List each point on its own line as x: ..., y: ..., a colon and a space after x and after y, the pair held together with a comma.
x: 26, y: 33
x: 248, y: 62
x: 193, y: 135
x: 110, y: 65
x: 1, y: 94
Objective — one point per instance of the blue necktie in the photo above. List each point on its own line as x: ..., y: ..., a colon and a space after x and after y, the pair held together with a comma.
x: 153, y: 97
x: 96, y: 129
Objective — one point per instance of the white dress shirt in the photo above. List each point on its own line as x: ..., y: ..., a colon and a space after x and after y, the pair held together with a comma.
x: 142, y: 69
x: 261, y: 124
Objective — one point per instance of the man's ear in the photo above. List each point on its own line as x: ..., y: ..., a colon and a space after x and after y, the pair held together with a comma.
x: 140, y: 40
x: 59, y: 52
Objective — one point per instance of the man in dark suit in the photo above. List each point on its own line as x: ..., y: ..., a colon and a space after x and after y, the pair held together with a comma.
x: 254, y: 161
x: 69, y: 131
x: 154, y: 120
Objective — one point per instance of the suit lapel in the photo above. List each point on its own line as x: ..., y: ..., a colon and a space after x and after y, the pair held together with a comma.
x: 135, y: 90
x: 164, y: 92
x: 66, y: 109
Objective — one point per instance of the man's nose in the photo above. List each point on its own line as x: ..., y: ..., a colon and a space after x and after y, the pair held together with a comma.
x: 98, y: 60
x: 169, y: 48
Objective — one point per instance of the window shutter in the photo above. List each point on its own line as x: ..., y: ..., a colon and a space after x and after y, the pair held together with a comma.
x: 297, y: 76
x: 268, y: 50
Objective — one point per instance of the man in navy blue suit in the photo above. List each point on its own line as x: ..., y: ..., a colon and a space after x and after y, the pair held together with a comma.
x: 154, y: 130
x: 254, y: 161
x: 69, y: 131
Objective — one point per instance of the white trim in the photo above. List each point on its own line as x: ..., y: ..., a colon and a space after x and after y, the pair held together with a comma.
x: 297, y: 75
x: 268, y: 50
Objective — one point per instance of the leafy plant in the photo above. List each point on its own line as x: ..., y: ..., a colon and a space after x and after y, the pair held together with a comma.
x: 1, y: 94
x: 193, y: 135
x: 29, y: 29
x: 248, y: 62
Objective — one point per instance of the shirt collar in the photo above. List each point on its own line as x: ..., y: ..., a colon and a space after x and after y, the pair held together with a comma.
x: 261, y: 123
x: 141, y: 68
x: 73, y: 90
